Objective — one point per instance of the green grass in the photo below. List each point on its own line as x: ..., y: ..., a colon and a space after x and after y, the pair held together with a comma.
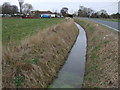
x: 33, y: 61
x: 78, y: 20
x: 13, y: 30
x: 91, y: 28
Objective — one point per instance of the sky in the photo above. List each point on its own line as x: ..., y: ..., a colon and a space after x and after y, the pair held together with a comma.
x: 111, y: 6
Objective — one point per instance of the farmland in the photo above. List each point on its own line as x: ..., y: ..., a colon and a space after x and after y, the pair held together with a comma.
x: 14, y: 30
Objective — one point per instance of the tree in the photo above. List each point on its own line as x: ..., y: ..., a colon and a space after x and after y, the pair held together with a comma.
x: 82, y: 13
x: 14, y: 9
x: 6, y: 8
x: 27, y: 8
x: 21, y: 5
x: 102, y: 12
x: 9, y: 9
x: 64, y: 11
x: 90, y: 11
x: 104, y: 15
x: 95, y: 15
x: 117, y: 15
x: 85, y: 12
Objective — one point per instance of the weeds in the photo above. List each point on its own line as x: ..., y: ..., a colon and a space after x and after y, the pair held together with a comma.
x: 106, y: 42
x: 100, y: 45
x: 19, y: 80
x: 33, y: 61
x: 91, y: 28
x: 93, y: 56
x: 100, y: 57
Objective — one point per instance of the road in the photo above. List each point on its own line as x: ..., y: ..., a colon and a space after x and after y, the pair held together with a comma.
x: 111, y: 24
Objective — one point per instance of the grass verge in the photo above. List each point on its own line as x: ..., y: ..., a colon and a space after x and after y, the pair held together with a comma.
x: 102, y: 56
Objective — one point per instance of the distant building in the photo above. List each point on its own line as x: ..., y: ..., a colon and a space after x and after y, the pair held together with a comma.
x: 43, y: 14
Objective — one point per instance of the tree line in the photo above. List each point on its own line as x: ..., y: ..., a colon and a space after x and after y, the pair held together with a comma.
x: 88, y: 12
x: 26, y: 8
x: 7, y: 8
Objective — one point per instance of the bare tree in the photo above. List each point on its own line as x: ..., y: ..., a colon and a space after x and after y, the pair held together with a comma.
x: 21, y: 5
x: 27, y: 8
x: 14, y: 9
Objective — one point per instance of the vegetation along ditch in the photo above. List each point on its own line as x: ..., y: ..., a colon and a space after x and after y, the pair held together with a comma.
x: 72, y: 73
x: 34, y: 61
x: 102, y: 56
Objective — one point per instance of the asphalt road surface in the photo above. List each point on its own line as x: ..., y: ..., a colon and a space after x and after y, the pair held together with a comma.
x: 114, y: 25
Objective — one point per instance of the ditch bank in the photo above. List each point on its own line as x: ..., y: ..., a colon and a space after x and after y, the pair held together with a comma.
x: 102, y: 56
x: 72, y: 73
x: 36, y: 61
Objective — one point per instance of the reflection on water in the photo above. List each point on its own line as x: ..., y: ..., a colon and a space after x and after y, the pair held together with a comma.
x: 72, y: 73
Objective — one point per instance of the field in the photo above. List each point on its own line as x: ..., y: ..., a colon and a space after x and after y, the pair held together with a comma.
x: 14, y: 30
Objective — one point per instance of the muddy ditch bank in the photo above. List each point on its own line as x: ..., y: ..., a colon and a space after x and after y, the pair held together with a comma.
x: 102, y: 56
x: 36, y: 61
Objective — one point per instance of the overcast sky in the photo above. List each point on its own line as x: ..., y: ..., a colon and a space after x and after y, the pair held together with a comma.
x: 111, y: 6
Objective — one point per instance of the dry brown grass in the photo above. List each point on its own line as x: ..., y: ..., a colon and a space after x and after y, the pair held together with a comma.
x: 102, y: 56
x: 35, y: 62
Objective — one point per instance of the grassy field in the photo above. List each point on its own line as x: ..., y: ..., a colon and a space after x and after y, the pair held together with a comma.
x: 13, y: 30
x: 102, y: 56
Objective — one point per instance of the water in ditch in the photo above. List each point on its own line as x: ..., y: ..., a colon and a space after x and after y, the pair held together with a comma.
x: 72, y: 73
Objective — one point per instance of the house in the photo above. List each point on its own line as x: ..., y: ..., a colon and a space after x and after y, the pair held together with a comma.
x: 43, y: 14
